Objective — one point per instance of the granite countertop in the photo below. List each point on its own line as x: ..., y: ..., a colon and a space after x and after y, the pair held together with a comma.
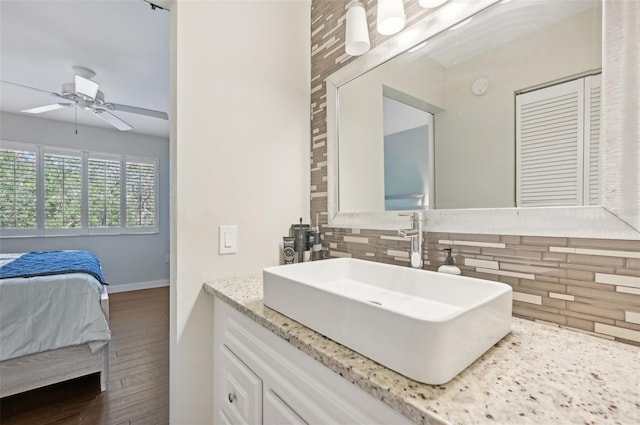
x: 539, y: 373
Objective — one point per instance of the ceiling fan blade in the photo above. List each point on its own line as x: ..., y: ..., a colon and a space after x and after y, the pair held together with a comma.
x: 47, y: 108
x: 112, y: 119
x: 86, y: 87
x: 31, y: 88
x: 136, y: 110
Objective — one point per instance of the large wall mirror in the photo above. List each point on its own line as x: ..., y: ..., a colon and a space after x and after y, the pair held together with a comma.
x: 495, y: 114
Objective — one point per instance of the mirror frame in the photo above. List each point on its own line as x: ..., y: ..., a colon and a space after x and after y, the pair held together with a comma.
x: 583, y: 222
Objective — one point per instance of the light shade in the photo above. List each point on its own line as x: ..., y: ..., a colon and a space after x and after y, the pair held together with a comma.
x: 86, y: 88
x: 391, y: 17
x: 430, y: 4
x: 357, y: 32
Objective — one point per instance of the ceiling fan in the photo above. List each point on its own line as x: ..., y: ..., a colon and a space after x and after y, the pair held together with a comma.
x: 84, y: 93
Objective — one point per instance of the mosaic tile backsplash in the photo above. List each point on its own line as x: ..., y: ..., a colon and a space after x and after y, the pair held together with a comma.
x: 590, y: 285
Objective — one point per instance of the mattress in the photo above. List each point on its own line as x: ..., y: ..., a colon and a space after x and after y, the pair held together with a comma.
x: 48, y: 312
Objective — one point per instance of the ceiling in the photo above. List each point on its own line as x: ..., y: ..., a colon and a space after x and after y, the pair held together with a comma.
x: 124, y: 42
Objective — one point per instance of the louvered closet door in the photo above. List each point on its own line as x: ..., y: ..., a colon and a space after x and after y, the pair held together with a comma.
x: 549, y: 146
x: 592, y: 86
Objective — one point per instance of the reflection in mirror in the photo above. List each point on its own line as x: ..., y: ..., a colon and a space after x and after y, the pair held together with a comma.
x: 514, y: 101
x: 408, y: 139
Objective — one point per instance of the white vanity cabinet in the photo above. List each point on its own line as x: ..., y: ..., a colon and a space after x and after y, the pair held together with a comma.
x: 276, y: 411
x: 243, y: 389
x: 261, y: 379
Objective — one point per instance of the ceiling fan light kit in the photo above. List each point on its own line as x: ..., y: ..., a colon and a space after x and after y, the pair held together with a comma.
x: 86, y: 88
x: 85, y: 94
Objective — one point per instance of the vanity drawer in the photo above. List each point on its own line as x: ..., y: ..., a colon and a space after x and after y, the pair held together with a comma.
x: 241, y: 393
x: 277, y: 412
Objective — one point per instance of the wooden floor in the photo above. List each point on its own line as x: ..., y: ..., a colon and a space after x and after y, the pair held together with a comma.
x: 139, y: 378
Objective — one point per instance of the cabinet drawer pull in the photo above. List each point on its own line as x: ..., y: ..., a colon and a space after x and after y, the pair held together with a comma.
x: 232, y: 397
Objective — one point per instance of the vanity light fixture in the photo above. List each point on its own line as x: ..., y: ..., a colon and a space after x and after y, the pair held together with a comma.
x: 431, y: 4
x: 391, y: 18
x: 357, y: 30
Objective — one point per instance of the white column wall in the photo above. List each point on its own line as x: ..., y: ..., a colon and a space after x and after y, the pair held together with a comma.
x: 241, y: 149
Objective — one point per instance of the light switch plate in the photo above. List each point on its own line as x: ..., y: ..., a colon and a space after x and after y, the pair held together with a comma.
x: 227, y: 239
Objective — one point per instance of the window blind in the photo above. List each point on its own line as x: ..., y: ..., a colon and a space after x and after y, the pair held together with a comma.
x: 104, y: 192
x: 18, y: 188
x: 45, y: 191
x: 62, y: 191
x: 141, y: 194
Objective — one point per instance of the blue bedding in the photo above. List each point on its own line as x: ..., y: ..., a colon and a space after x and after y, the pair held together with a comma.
x: 48, y: 263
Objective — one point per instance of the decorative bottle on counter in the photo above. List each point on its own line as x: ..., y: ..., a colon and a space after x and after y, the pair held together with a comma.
x: 288, y: 252
x: 316, y: 249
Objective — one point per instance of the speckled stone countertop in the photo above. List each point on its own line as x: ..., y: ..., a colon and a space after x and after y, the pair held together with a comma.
x: 538, y: 373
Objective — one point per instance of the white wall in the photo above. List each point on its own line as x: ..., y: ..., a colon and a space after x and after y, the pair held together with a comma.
x: 126, y: 259
x: 241, y: 142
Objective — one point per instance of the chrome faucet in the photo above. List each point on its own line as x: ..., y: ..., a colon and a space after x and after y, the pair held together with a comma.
x: 415, y: 233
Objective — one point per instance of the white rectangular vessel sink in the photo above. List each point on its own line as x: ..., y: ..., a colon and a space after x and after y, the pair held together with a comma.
x: 425, y: 325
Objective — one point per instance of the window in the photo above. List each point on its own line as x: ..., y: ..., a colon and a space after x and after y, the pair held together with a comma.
x: 45, y: 191
x: 18, y: 189
x: 104, y: 193
x: 141, y: 197
x: 62, y: 191
x: 557, y: 142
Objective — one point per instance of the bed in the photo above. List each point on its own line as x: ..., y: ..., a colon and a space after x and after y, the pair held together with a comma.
x: 54, y: 319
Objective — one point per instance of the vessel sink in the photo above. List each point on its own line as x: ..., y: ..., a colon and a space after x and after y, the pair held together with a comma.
x: 425, y: 325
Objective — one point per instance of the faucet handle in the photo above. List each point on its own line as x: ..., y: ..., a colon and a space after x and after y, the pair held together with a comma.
x: 415, y: 215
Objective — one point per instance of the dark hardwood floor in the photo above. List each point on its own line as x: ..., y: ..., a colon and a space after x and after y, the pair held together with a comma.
x: 139, y: 377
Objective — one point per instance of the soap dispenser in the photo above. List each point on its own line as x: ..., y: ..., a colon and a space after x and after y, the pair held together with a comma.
x: 448, y: 266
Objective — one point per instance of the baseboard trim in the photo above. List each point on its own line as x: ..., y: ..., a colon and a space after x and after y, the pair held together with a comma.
x: 125, y: 287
